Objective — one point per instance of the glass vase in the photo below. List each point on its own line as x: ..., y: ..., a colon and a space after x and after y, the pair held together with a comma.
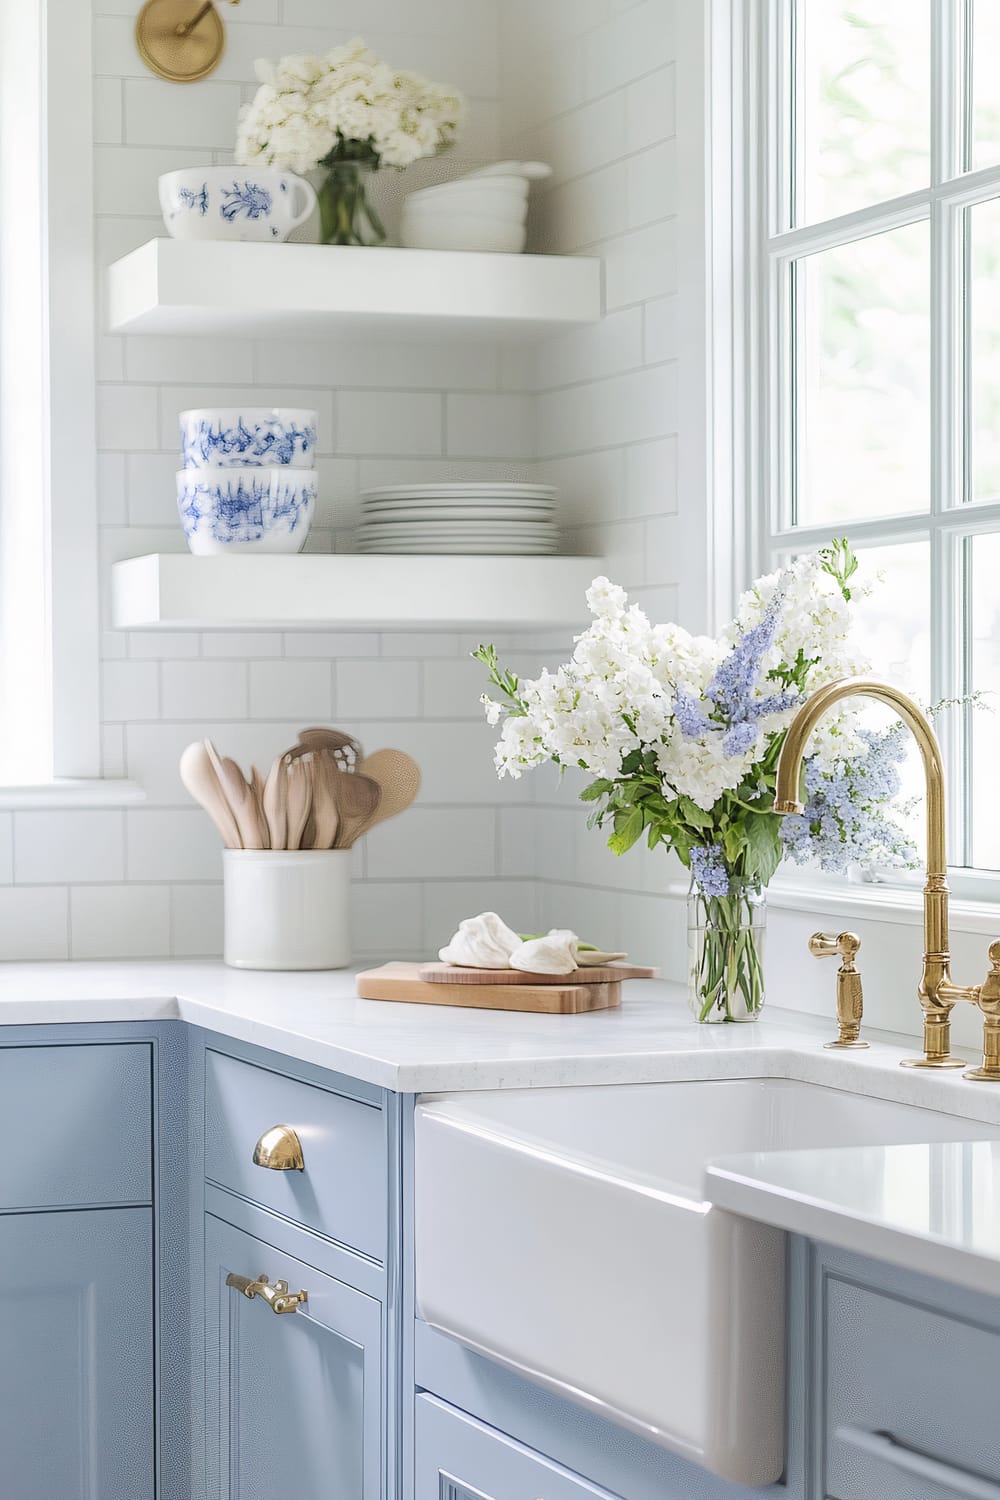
x: 346, y: 216
x: 726, y: 952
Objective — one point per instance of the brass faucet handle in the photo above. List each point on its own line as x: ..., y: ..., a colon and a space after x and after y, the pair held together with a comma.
x: 850, y: 996
x: 989, y: 1004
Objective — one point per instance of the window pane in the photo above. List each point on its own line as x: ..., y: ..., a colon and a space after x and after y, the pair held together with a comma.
x: 983, y: 324
x: 862, y: 422
x: 863, y: 107
x: 985, y: 45
x: 984, y: 651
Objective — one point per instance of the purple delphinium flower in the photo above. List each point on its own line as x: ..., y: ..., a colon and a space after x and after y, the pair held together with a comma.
x: 846, y: 820
x: 709, y: 871
x: 690, y: 715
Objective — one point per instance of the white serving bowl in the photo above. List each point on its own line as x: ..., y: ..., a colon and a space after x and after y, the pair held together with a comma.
x: 462, y: 232
x: 234, y: 203
x: 246, y: 510
x: 496, y: 187
x: 514, y: 210
x: 241, y: 437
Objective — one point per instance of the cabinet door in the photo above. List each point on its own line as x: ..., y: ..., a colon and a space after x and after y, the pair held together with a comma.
x: 294, y: 1399
x: 76, y: 1355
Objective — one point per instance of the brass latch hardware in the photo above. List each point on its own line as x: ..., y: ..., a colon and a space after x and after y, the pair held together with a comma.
x: 280, y: 1149
x: 850, y: 1000
x: 277, y: 1296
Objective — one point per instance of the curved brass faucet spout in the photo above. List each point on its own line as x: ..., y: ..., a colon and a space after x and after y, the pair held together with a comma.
x: 937, y: 993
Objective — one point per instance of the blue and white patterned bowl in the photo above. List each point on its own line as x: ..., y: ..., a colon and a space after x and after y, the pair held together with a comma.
x: 231, y: 437
x: 246, y: 510
x: 234, y: 203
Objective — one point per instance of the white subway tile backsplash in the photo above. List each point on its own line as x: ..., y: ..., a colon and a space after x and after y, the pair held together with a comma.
x: 195, y: 921
x: 634, y: 42
x: 113, y: 751
x: 452, y: 689
x: 188, y: 361
x: 325, y: 644
x: 112, y: 503
x: 390, y: 422
x: 127, y: 417
x: 249, y: 644
x: 429, y: 843
x: 652, y: 184
x: 153, y: 751
x: 650, y: 105
x: 166, y: 645
x: 208, y: 119
x: 651, y: 478
x: 660, y: 336
x: 387, y: 919
x: 172, y: 844
x: 377, y: 689
x: 34, y: 922
x: 641, y: 265
x: 447, y: 902
x: 107, y: 111
x: 291, y: 689
x: 494, y: 426
x: 609, y: 413
x: 130, y: 690
x: 120, y: 921
x: 6, y: 848
x: 125, y: 177
x: 60, y: 848
x: 197, y: 690
x: 606, y: 348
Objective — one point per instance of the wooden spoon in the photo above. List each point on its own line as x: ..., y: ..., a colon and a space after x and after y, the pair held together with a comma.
x: 344, y: 748
x: 326, y: 814
x: 299, y: 787
x: 201, y: 781
x: 275, y: 802
x: 358, y: 797
x: 257, y: 789
x: 237, y: 794
x: 399, y: 777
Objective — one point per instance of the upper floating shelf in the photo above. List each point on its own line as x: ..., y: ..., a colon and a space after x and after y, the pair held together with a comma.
x: 175, y: 591
x: 310, y: 291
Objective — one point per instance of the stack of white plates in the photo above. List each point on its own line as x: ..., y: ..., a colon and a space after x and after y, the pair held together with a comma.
x: 483, y: 519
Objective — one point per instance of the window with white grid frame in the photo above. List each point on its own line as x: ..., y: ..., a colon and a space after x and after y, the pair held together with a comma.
x: 879, y: 344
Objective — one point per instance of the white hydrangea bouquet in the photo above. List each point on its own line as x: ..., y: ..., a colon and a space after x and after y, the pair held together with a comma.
x: 683, y: 735
x: 347, y: 112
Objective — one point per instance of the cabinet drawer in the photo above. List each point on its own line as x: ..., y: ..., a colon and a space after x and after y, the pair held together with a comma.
x: 342, y: 1192
x: 78, y: 1120
x: 911, y: 1399
x: 457, y: 1458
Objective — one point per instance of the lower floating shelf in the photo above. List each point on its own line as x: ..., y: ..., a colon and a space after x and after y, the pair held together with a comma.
x: 175, y: 591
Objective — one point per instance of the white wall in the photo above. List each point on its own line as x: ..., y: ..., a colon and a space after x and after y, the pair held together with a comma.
x: 592, y: 87
x: 90, y: 884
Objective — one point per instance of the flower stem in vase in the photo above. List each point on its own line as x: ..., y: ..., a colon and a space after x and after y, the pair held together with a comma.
x: 725, y: 949
x: 346, y: 215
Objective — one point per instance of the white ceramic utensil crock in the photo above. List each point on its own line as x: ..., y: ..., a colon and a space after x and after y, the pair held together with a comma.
x: 287, y: 908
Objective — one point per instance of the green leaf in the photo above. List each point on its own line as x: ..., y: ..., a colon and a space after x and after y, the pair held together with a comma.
x: 694, y: 815
x: 628, y: 827
x: 599, y: 788
x: 763, y: 845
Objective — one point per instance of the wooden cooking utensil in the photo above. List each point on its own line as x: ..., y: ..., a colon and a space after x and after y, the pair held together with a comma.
x: 200, y: 779
x: 299, y: 787
x: 344, y: 748
x: 275, y: 804
x: 237, y: 793
x: 358, y: 798
x: 398, y: 775
x: 326, y: 814
x: 257, y: 788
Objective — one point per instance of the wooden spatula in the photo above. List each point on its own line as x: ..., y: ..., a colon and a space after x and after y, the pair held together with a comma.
x: 398, y: 775
x: 358, y: 797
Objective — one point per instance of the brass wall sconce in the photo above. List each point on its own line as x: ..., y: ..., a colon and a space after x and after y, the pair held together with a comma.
x: 180, y: 40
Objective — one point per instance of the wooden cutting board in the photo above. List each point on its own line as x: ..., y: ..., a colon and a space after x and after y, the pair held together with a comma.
x: 438, y: 973
x: 400, y: 981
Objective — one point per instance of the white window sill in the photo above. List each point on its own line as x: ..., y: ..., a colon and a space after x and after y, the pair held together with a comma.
x: 72, y: 793
x: 848, y: 900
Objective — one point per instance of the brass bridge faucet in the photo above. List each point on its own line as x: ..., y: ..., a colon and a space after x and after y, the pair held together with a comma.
x: 937, y: 992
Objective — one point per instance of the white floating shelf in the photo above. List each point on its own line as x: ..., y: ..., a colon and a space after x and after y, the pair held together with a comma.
x: 175, y: 591
x: 312, y: 291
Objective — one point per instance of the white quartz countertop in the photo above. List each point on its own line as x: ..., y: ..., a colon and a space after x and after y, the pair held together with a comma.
x: 933, y: 1208
x: 930, y: 1208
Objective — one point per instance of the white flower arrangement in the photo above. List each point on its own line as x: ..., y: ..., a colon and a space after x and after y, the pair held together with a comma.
x: 347, y: 105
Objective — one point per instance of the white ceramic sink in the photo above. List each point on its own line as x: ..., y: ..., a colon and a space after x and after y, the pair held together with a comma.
x: 565, y: 1233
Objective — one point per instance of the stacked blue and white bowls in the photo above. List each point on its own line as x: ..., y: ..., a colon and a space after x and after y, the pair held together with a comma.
x: 249, y: 480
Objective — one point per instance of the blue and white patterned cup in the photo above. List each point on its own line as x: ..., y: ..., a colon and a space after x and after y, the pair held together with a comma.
x: 234, y: 203
x: 233, y: 437
x: 246, y: 510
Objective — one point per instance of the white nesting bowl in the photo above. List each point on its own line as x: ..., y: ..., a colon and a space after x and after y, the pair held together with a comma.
x: 497, y: 189
x: 462, y: 232
x: 240, y: 437
x: 246, y: 510
x: 514, y: 210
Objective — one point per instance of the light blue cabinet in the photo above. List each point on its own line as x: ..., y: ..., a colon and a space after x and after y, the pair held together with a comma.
x: 76, y: 1355
x: 294, y: 1400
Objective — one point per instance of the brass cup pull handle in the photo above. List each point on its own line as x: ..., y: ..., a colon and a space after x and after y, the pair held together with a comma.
x: 277, y: 1296
x: 279, y: 1149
